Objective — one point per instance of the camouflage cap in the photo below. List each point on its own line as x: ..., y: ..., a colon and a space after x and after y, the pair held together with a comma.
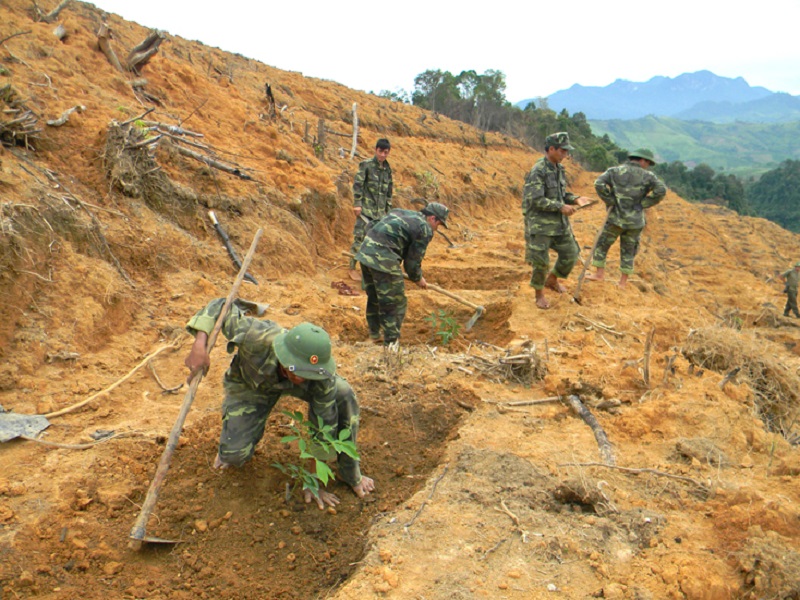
x: 643, y: 153
x: 305, y: 350
x: 438, y: 210
x: 558, y: 140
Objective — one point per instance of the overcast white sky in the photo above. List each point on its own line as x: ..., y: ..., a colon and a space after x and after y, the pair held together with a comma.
x: 542, y: 47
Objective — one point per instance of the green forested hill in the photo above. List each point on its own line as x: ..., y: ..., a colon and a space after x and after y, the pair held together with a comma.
x: 744, y: 149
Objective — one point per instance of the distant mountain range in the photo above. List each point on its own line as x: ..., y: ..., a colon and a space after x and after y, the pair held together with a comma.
x: 693, y: 118
x: 701, y: 96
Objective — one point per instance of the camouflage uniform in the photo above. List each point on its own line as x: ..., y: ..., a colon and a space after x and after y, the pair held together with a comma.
x: 253, y: 384
x: 627, y: 191
x: 401, y: 236
x: 792, y: 278
x: 372, y: 191
x: 544, y: 194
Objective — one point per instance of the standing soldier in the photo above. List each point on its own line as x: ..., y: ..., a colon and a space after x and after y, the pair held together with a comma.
x: 791, y: 277
x: 402, y: 236
x: 372, y: 195
x: 546, y: 204
x: 627, y: 190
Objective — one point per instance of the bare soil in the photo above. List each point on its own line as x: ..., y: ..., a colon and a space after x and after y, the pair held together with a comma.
x: 102, y: 263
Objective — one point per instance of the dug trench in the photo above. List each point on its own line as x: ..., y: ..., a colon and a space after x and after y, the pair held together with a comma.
x: 243, y: 533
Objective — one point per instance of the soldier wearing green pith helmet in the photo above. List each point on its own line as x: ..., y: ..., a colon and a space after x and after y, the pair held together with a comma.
x: 401, y: 237
x: 271, y: 362
x: 628, y: 190
x: 546, y: 206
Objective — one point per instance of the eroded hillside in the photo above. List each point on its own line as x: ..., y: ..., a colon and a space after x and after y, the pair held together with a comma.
x: 106, y: 249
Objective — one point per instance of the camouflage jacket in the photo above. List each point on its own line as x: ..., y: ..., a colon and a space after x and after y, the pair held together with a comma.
x: 629, y: 189
x: 792, y: 278
x: 372, y: 188
x: 401, y: 236
x: 256, y: 363
x: 544, y: 194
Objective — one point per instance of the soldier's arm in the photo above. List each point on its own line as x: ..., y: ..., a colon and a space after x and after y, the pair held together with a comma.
x: 412, y: 263
x: 358, y: 185
x: 202, y: 323
x: 604, y: 189
x: 657, y: 192
x: 390, y: 192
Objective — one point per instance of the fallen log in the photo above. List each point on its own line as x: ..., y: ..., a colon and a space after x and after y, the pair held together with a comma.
x: 606, y: 451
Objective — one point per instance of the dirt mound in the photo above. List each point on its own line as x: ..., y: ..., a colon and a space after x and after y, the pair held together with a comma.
x: 488, y: 485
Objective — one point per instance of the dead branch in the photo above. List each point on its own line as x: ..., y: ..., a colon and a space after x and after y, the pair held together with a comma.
x: 606, y: 451
x: 668, y: 368
x: 598, y: 325
x: 166, y: 390
x: 173, y: 129
x: 648, y: 344
x: 728, y: 376
x: 698, y: 484
x: 81, y: 446
x: 117, y: 383
x: 65, y: 116
x: 104, y: 43
x: 53, y: 14
x: 213, y: 163
x: 430, y: 495
x: 270, y: 101
x: 514, y: 519
x: 355, y: 131
x: 13, y: 35
x: 139, y: 118
x: 142, y: 53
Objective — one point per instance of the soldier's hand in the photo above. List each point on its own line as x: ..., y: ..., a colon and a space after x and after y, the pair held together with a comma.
x: 422, y: 283
x: 357, y: 211
x: 568, y: 209
x: 198, y: 357
x: 323, y: 498
x: 364, y: 487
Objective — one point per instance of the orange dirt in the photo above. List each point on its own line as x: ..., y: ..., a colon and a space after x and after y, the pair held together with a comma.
x: 475, y: 498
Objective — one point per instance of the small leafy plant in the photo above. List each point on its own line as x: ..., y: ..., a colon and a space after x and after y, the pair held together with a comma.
x: 315, y: 442
x: 444, y: 324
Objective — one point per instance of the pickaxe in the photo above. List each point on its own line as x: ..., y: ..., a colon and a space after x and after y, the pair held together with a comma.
x: 577, y: 295
x: 479, y: 310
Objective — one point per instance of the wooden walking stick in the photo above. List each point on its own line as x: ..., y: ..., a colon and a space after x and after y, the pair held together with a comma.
x: 137, y: 534
x: 577, y: 295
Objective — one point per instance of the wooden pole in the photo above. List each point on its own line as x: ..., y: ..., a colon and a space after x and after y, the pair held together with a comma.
x: 577, y: 295
x: 139, y: 527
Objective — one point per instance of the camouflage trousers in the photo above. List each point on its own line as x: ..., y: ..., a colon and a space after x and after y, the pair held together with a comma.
x: 245, y: 411
x: 537, y: 254
x: 628, y: 246
x: 359, y: 231
x: 791, y: 303
x: 386, y: 303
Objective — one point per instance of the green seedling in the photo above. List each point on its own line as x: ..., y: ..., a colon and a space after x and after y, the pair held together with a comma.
x: 444, y: 325
x: 316, y: 442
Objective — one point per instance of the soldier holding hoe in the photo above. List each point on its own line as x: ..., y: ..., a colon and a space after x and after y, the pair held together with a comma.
x: 402, y: 236
x: 546, y: 206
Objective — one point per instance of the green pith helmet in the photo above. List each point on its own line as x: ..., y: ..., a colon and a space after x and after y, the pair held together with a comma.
x: 558, y: 140
x: 305, y: 350
x: 797, y: 264
x: 438, y: 210
x: 643, y: 153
